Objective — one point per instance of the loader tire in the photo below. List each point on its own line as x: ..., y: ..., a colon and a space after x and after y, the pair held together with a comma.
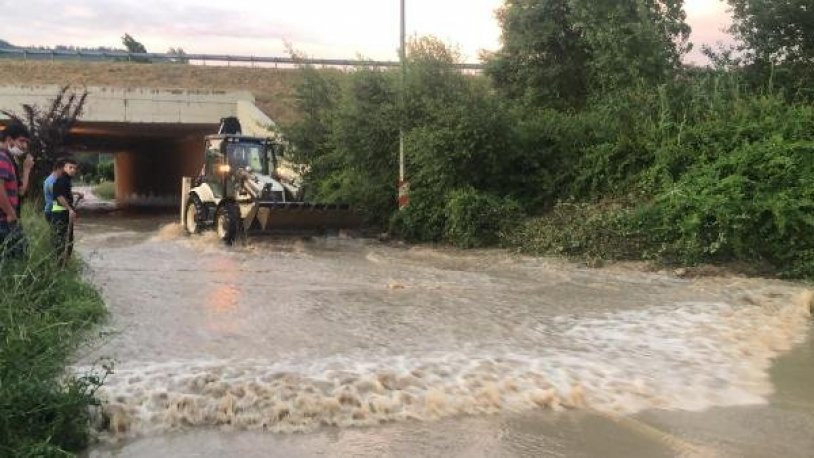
x: 227, y: 222
x: 194, y: 216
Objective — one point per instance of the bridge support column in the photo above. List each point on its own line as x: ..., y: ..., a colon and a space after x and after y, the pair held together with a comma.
x: 123, y: 170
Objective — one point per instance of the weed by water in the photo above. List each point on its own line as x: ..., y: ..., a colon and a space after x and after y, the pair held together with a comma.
x: 44, y: 311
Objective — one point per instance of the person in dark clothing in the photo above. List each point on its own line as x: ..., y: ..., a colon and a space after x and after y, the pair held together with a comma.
x: 63, y: 213
x: 48, y: 187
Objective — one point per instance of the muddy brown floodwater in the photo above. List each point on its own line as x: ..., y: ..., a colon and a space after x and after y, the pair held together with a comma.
x: 332, y: 347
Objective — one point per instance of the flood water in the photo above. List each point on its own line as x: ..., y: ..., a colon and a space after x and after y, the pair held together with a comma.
x: 332, y: 346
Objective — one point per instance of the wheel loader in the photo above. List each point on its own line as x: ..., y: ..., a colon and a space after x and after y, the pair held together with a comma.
x: 241, y: 191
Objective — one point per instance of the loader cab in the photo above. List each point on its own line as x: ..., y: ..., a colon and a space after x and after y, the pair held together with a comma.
x: 248, y: 154
x: 225, y: 155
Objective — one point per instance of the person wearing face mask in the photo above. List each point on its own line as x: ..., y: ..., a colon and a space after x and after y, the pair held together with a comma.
x: 18, y: 148
x: 12, y: 239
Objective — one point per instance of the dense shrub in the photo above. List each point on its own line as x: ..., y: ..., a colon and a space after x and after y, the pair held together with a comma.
x: 458, y: 136
x: 424, y: 219
x: 348, y: 138
x: 583, y: 230
x: 755, y: 203
x: 476, y: 219
x: 709, y: 173
x: 702, y: 167
x: 466, y: 218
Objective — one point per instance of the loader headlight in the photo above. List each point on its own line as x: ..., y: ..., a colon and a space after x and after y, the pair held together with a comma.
x: 224, y: 168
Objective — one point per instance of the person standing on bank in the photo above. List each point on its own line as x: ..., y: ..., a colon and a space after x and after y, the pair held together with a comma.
x: 12, y: 186
x: 48, y: 187
x: 63, y: 213
x: 15, y: 141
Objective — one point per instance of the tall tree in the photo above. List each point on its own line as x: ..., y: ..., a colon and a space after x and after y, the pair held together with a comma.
x: 132, y: 45
x: 775, y: 31
x: 776, y: 43
x: 558, y: 52
x: 543, y: 58
x: 633, y: 40
x: 181, y: 55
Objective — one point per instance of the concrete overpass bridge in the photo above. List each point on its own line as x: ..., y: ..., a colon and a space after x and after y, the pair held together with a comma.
x: 156, y: 135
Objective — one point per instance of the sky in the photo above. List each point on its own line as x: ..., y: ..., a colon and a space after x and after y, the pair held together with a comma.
x: 317, y: 28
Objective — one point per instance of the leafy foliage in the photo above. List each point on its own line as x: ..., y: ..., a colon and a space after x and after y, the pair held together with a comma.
x: 105, y: 190
x: 476, y: 219
x: 135, y: 47
x: 43, y: 411
x: 181, y: 55
x: 132, y: 45
x: 590, y: 126
x: 777, y: 32
x: 543, y: 58
x: 704, y: 172
x: 50, y: 127
x: 776, y: 44
x: 459, y: 137
x: 557, y: 53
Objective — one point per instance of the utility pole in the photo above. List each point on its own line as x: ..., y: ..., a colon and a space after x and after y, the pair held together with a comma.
x: 404, y: 187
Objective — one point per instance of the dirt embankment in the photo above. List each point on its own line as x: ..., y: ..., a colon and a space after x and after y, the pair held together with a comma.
x: 272, y: 88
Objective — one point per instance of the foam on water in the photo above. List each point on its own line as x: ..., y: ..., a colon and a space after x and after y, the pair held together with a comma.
x: 173, y: 231
x: 688, y: 356
x: 206, y: 242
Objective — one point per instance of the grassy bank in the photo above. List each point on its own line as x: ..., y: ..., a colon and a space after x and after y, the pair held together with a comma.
x: 44, y: 313
x: 273, y: 89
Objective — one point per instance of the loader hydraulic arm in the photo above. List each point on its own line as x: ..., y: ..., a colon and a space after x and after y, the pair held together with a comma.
x: 249, y: 183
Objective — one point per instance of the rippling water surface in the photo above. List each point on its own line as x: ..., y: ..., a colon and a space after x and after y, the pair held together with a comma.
x: 358, y: 347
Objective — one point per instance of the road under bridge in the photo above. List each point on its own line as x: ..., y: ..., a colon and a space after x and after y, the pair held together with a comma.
x: 156, y: 135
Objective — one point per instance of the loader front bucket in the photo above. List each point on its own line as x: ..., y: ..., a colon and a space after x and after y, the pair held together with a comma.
x: 299, y: 216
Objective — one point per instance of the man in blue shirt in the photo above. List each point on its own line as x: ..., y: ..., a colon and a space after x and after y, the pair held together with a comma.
x: 48, y: 187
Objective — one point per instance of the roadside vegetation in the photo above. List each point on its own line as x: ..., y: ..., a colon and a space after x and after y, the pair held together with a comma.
x: 105, y: 190
x: 588, y: 137
x: 46, y: 311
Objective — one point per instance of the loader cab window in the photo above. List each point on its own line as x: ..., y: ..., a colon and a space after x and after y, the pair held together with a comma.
x: 246, y: 154
x: 214, y: 157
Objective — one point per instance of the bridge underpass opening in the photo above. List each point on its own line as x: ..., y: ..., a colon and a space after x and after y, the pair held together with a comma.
x: 149, y: 158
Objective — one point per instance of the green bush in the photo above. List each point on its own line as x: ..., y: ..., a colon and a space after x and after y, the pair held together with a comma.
x: 45, y: 310
x: 458, y: 136
x: 754, y: 204
x: 105, y: 171
x: 476, y: 219
x: 348, y: 138
x: 702, y: 167
x: 423, y: 220
x: 708, y: 173
x: 105, y: 190
x: 581, y: 230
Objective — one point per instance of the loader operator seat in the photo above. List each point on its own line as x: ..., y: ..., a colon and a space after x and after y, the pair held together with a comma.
x: 242, y: 156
